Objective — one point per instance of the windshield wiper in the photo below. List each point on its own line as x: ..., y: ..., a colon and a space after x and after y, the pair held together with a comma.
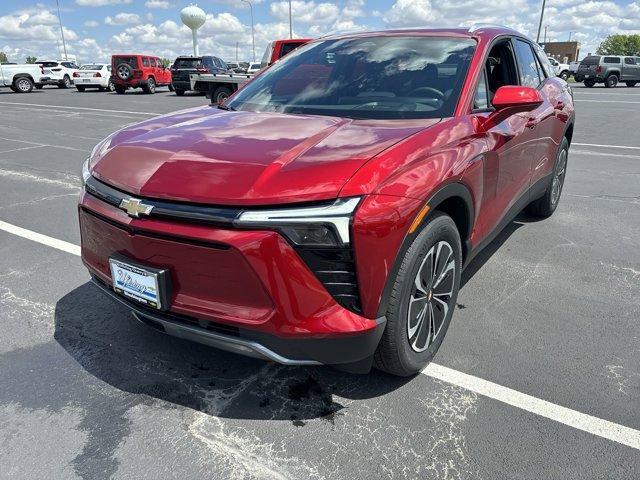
x: 226, y: 107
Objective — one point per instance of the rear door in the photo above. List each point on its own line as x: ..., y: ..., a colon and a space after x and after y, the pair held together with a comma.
x: 630, y: 69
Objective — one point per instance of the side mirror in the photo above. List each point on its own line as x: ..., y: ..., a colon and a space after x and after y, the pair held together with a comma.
x: 516, y: 98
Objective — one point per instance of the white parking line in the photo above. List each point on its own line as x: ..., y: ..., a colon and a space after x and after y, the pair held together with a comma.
x: 604, y: 146
x: 64, y: 147
x: 81, y: 108
x: 40, y: 238
x: 566, y: 416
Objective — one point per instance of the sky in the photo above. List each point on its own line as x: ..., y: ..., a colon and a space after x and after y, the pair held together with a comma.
x: 95, y: 29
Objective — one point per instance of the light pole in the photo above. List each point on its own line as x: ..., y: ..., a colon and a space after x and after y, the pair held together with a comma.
x: 290, y: 22
x: 545, y: 33
x: 253, y: 35
x: 541, y: 17
x: 570, y: 35
x: 64, y: 45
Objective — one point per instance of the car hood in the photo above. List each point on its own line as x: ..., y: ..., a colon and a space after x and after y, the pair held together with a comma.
x: 208, y: 155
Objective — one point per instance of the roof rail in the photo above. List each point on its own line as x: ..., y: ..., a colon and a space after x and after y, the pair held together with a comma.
x: 477, y: 26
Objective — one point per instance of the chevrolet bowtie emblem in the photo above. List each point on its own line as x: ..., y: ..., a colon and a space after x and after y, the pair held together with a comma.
x: 135, y: 207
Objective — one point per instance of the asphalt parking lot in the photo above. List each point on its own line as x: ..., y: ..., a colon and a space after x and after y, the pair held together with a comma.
x: 538, y: 377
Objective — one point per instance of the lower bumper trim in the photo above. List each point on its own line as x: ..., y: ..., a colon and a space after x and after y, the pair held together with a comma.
x: 316, y: 351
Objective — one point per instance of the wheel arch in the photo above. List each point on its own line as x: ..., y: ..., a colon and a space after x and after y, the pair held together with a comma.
x: 453, y: 199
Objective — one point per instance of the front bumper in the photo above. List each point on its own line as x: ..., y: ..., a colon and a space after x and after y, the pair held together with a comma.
x: 251, y: 281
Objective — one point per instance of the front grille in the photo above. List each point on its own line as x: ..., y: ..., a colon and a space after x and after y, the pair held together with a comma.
x: 336, y: 269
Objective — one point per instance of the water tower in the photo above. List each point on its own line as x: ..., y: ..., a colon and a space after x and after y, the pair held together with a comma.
x: 193, y: 17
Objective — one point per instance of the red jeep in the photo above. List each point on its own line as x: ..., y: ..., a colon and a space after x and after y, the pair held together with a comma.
x: 133, y: 71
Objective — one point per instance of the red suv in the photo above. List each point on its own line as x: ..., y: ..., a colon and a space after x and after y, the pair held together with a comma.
x: 139, y: 71
x: 326, y: 218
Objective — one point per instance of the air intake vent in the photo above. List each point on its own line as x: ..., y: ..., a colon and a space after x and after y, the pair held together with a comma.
x: 336, y: 269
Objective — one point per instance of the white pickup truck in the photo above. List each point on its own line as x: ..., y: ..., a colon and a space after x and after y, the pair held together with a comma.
x: 561, y: 69
x: 20, y: 78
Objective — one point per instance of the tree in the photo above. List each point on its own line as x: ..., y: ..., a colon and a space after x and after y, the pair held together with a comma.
x: 165, y: 62
x: 31, y: 59
x: 620, y: 45
x: 3, y: 57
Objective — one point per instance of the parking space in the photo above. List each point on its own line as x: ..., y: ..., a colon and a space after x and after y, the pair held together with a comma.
x: 550, y: 310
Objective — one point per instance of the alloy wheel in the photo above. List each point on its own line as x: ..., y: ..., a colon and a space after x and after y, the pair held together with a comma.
x: 558, y: 176
x: 431, y: 296
x: 24, y: 85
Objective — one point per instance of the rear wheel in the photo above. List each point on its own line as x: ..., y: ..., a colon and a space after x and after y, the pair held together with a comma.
x: 23, y: 85
x: 221, y: 94
x: 589, y: 83
x: 80, y: 89
x: 546, y: 205
x: 39, y: 86
x: 110, y: 86
x: 65, y: 83
x: 611, y: 81
x: 150, y: 87
x: 179, y: 92
x: 422, y: 300
x: 631, y: 84
x: 564, y: 75
x: 120, y: 90
x: 171, y: 87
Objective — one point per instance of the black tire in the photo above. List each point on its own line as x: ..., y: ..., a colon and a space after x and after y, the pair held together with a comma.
x: 179, y: 93
x: 564, y: 75
x: 150, y: 87
x: 589, y: 83
x: 124, y: 71
x: 14, y: 89
x: 398, y: 352
x: 111, y: 86
x: 221, y: 94
x: 171, y: 87
x: 65, y: 83
x: 631, y: 84
x: 547, y: 204
x: 80, y: 89
x: 120, y: 90
x: 39, y: 86
x: 611, y: 81
x: 22, y: 85
x: 578, y: 78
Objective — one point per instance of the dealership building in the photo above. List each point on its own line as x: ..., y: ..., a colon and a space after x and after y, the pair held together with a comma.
x: 562, y: 51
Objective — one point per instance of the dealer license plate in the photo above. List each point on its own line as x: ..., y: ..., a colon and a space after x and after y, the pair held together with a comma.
x: 136, y: 283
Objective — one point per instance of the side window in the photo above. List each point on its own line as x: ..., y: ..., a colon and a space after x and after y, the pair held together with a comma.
x: 207, y: 62
x: 544, y: 61
x: 500, y: 68
x: 629, y: 60
x: 481, y: 98
x: 611, y: 60
x: 145, y: 61
x: 527, y: 64
x: 287, y: 48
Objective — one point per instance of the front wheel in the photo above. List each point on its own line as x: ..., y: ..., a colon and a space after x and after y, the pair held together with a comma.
x: 547, y: 204
x: 564, y: 75
x: 110, y: 86
x: 120, y: 90
x: 171, y: 87
x: 221, y: 94
x: 631, y: 84
x: 422, y: 300
x: 611, y: 81
x: 179, y: 92
x: 589, y: 83
x: 39, y: 86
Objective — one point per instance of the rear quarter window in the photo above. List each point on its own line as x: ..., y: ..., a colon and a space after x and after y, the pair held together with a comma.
x: 611, y: 60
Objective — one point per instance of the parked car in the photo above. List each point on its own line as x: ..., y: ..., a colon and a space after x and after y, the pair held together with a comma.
x: 573, y: 66
x: 94, y: 75
x: 254, y: 68
x: 306, y: 224
x: 279, y: 48
x: 609, y: 69
x: 20, y: 78
x: 185, y: 66
x: 139, y: 71
x: 561, y: 69
x: 58, y: 73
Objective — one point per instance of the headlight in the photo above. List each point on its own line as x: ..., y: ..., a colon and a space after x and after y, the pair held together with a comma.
x: 86, y: 174
x: 325, y: 225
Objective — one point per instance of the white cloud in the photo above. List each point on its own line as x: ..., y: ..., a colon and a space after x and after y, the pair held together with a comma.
x: 158, y: 4
x: 101, y: 3
x: 91, y: 23
x: 123, y: 18
x: 305, y: 12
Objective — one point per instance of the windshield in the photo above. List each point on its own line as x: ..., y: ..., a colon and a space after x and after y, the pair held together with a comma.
x: 371, y: 78
x: 91, y: 67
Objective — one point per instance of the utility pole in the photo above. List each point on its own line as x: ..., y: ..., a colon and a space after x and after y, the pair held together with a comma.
x: 64, y: 45
x: 541, y: 17
x: 570, y: 35
x: 237, y: 53
x: 290, y: 22
x: 253, y: 35
x: 545, y: 33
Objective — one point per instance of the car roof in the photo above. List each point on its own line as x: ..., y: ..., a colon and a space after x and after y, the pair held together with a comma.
x: 486, y: 32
